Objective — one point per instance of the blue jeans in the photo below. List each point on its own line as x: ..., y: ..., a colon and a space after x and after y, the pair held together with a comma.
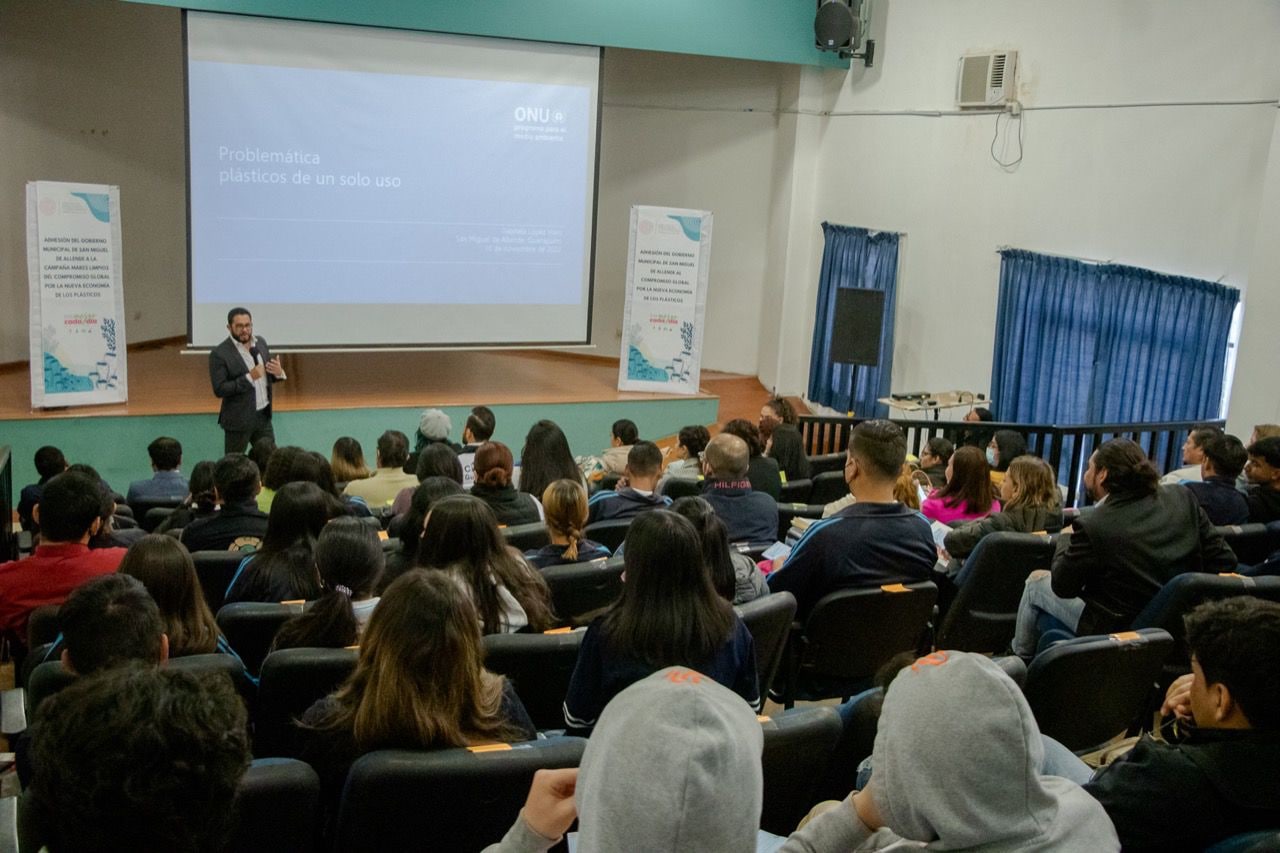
x: 1060, y: 761
x: 1037, y: 599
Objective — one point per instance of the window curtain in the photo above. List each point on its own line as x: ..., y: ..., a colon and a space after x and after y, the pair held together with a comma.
x: 853, y: 257
x: 1081, y: 343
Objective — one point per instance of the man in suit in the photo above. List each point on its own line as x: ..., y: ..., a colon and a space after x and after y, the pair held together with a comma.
x: 242, y: 371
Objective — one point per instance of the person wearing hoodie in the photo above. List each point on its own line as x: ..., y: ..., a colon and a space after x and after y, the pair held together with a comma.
x: 674, y: 764
x: 973, y: 784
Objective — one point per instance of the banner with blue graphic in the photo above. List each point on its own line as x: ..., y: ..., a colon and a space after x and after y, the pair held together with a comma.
x: 668, y: 263
x: 77, y: 297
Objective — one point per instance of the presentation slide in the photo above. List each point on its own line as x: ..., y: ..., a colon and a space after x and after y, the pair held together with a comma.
x: 359, y: 187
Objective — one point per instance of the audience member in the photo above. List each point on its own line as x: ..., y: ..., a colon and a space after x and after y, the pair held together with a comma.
x: 1118, y: 555
x: 674, y: 760
x: 875, y: 541
x: 284, y: 568
x: 669, y: 615
x: 201, y: 501
x: 934, y: 458
x: 1263, y: 473
x: 349, y: 560
x: 116, y: 531
x: 139, y: 759
x: 165, y: 568
x: 277, y: 473
x: 261, y: 452
x: 347, y: 461
x: 748, y: 516
x: 684, y: 461
x: 908, y: 489
x: 565, y: 504
x: 109, y: 621
x: 238, y: 524
x: 1224, y: 460
x: 166, y: 482
x: 419, y: 683
x: 434, y: 427
x: 476, y: 431
x: 298, y: 465
x: 411, y: 523
x: 761, y: 470
x: 545, y: 458
x: 49, y: 463
x: 974, y: 784
x: 778, y: 427
x: 635, y: 492
x: 1192, y: 456
x: 69, y: 514
x: 623, y: 435
x: 978, y: 414
x: 976, y: 436
x: 461, y: 538
x: 1220, y: 779
x: 494, y: 466
x: 1005, y: 446
x: 1032, y: 503
x: 435, y: 460
x: 969, y: 493
x: 733, y: 574
x: 381, y: 488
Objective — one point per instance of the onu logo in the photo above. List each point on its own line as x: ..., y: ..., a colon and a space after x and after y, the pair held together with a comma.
x: 542, y: 114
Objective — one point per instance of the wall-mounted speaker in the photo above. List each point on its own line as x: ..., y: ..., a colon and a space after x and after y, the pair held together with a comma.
x: 835, y: 27
x: 857, y: 325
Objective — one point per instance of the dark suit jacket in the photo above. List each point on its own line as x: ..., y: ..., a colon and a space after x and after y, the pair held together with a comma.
x: 230, y: 380
x: 1124, y: 550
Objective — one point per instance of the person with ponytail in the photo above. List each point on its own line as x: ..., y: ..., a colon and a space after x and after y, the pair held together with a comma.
x: 349, y: 559
x: 565, y: 504
x: 493, y: 467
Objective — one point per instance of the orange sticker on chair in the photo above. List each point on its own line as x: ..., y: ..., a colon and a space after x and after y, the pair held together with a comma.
x: 565, y: 630
x: 489, y: 747
x: 761, y: 718
x: 893, y: 587
x: 384, y: 535
x: 1126, y: 636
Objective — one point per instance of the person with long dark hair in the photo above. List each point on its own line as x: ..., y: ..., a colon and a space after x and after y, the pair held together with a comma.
x: 349, y: 559
x: 347, y: 461
x: 546, y: 458
x: 733, y: 574
x: 762, y: 471
x: 200, y: 502
x: 1005, y: 446
x: 493, y: 468
x: 165, y: 568
x: 669, y: 615
x: 461, y: 538
x: 1030, y: 502
x: 969, y: 493
x: 435, y: 460
x: 408, y: 527
x: 779, y: 427
x: 284, y: 568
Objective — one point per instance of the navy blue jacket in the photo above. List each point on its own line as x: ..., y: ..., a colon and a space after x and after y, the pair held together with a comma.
x: 1221, y: 501
x: 624, y: 503
x: 750, y: 516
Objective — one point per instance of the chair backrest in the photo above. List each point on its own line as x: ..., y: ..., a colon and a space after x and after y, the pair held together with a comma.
x: 451, y: 799
x: 682, y: 487
x: 527, y: 537
x: 277, y: 807
x: 826, y: 462
x: 797, y: 748
x: 1184, y: 592
x: 251, y: 626
x: 985, y: 609
x: 215, y: 570
x: 141, y: 509
x: 581, y: 589
x: 36, y: 656
x: 851, y: 633
x: 609, y: 533
x: 795, y: 492
x: 769, y: 619
x: 1252, y: 543
x: 539, y: 666
x: 155, y: 517
x: 46, y: 679
x: 1087, y: 690
x: 217, y: 663
x: 42, y: 625
x: 789, y: 512
x: 607, y: 483
x: 828, y: 486
x: 291, y: 682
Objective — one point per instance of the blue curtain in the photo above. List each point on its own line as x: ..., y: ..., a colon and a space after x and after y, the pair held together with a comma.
x: 853, y: 257
x: 1080, y: 343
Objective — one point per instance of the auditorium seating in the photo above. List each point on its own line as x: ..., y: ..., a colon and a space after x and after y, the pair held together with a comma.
x: 828, y: 487
x: 982, y: 615
x: 539, y: 666
x: 797, y: 749
x: 579, y: 590
x: 1252, y: 543
x: 681, y: 487
x: 251, y: 626
x: 1087, y: 690
x: 215, y: 570
x: 141, y: 510
x: 610, y: 533
x: 795, y: 492
x: 50, y: 677
x: 769, y: 619
x: 446, y: 800
x: 788, y: 512
x: 277, y: 808
x: 825, y: 463
x: 527, y: 537
x: 850, y: 634
x: 291, y: 682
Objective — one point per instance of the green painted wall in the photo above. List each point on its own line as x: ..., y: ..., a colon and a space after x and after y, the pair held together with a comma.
x: 117, y: 446
x: 767, y: 30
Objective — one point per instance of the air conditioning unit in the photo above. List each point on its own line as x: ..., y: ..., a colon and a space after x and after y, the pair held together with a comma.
x: 986, y: 79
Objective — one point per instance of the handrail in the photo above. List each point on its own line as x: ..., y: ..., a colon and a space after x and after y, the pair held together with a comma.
x: 1065, y: 447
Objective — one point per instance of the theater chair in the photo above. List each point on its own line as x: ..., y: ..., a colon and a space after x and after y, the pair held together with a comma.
x: 539, y: 666
x: 445, y: 800
x: 251, y: 626
x: 610, y: 533
x: 579, y: 590
x: 682, y: 487
x: 788, y: 512
x: 795, y: 492
x: 828, y: 487
x: 981, y: 618
x: 797, y: 749
x: 277, y: 808
x: 826, y: 462
x: 769, y: 619
x: 1252, y: 543
x: 142, y: 511
x: 291, y: 682
x: 215, y: 570
x: 527, y: 537
x: 850, y: 634
x: 1087, y: 690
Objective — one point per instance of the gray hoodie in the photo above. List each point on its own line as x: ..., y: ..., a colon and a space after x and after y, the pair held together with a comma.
x: 957, y: 759
x: 673, y: 765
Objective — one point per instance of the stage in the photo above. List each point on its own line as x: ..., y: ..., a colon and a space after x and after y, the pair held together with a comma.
x: 360, y: 394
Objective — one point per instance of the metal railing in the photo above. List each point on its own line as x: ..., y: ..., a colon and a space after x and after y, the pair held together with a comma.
x: 1065, y: 448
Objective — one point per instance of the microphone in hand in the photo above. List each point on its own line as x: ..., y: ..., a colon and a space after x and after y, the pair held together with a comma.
x: 253, y: 350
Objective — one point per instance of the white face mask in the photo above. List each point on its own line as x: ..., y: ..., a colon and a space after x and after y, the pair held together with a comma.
x: 991, y: 457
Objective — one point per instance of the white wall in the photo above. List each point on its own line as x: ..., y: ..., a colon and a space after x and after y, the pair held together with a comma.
x: 1172, y: 188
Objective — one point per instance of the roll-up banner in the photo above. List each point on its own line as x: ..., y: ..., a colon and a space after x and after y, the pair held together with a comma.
x: 77, y: 295
x: 668, y: 263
